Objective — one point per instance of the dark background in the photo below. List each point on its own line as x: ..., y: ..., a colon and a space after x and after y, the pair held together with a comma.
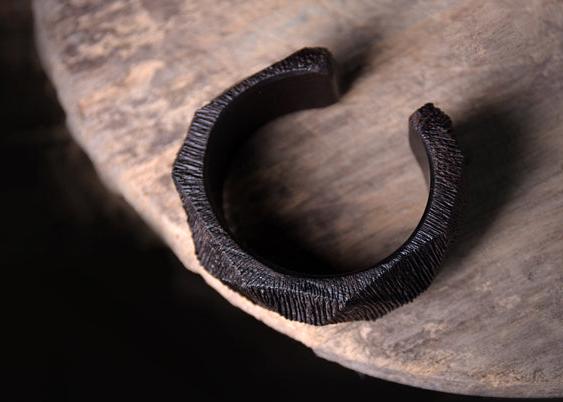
x: 96, y: 307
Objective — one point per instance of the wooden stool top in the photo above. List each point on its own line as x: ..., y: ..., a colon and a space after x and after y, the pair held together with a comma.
x: 342, y: 180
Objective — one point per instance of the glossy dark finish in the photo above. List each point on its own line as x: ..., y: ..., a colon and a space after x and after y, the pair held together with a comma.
x: 308, y: 79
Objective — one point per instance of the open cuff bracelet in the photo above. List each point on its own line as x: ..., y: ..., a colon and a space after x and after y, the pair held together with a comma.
x: 308, y: 79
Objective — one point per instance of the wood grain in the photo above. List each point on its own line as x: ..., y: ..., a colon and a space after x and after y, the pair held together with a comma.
x: 131, y: 73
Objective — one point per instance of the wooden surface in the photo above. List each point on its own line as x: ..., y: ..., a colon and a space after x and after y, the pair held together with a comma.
x: 341, y: 182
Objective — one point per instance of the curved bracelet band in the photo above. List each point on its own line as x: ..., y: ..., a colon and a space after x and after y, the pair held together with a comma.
x: 307, y: 79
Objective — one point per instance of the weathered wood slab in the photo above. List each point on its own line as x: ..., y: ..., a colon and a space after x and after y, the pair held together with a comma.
x: 341, y: 181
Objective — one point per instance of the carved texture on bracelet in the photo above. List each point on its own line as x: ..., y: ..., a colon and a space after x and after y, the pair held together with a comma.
x: 308, y: 79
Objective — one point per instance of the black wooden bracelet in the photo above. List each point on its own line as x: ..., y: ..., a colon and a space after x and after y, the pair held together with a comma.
x: 308, y: 79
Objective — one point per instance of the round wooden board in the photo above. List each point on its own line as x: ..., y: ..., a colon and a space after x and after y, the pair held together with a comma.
x: 341, y: 181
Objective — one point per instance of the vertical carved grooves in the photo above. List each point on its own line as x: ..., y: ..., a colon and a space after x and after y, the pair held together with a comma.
x: 308, y: 79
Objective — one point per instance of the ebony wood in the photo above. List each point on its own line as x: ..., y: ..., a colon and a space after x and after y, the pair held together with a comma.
x: 303, y: 80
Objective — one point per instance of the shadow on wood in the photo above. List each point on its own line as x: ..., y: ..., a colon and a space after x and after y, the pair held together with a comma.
x: 493, y: 140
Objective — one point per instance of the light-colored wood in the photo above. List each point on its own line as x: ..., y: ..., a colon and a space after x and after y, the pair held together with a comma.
x: 342, y: 180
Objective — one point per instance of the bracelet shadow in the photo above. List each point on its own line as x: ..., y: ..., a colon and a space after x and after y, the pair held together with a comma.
x: 493, y: 140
